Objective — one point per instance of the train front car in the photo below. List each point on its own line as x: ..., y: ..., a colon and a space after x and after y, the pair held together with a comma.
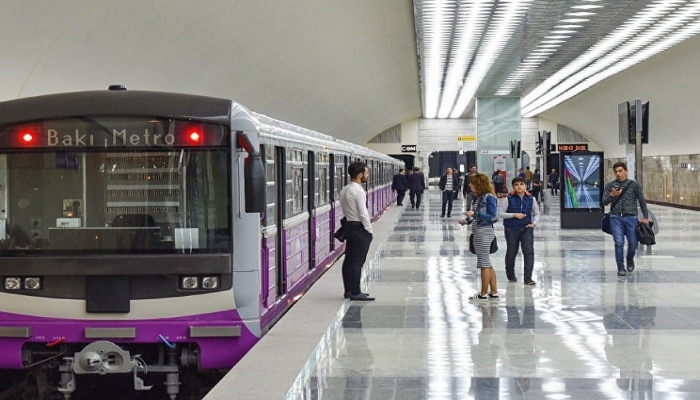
x: 117, y: 236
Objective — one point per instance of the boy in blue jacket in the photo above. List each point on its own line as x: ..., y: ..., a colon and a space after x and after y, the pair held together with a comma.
x: 520, y: 215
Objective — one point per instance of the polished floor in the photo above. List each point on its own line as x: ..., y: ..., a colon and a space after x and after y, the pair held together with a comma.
x: 580, y: 333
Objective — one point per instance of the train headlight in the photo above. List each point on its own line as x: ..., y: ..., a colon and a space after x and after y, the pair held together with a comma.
x: 189, y: 282
x: 13, y: 283
x: 32, y: 283
x: 210, y: 282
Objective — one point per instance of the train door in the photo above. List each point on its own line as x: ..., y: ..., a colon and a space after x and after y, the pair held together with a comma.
x: 313, y: 195
x: 280, y: 181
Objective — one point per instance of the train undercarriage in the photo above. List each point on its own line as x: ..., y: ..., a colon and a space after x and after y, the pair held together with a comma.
x: 105, y: 370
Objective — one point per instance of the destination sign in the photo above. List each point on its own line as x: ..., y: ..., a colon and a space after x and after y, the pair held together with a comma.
x: 80, y: 133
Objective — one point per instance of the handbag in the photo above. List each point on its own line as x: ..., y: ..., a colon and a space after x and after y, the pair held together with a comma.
x: 341, y: 234
x: 605, y: 222
x: 493, y: 249
x: 645, y: 233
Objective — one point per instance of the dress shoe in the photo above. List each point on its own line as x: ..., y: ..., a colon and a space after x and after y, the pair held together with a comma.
x: 630, y: 265
x: 361, y: 297
x: 621, y: 272
x: 347, y: 295
x: 448, y: 215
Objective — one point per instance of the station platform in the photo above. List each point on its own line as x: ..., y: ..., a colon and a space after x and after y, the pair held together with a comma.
x: 581, y: 332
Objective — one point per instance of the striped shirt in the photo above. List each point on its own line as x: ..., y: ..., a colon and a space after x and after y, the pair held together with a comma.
x: 448, y: 184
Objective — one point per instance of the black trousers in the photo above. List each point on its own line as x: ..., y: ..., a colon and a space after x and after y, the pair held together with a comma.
x: 356, y: 248
x: 399, y: 196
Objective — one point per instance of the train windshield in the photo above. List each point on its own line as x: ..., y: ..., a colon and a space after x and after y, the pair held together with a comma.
x: 75, y: 199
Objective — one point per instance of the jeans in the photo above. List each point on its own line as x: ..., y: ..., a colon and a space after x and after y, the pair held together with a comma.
x: 520, y: 238
x: 447, y: 199
x: 624, y: 227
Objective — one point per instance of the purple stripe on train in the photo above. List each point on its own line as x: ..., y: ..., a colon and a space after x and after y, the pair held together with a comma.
x: 215, y: 352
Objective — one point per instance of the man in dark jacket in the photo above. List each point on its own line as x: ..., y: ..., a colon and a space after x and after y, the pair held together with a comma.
x: 416, y: 184
x: 469, y: 196
x: 399, y: 185
x: 449, y: 184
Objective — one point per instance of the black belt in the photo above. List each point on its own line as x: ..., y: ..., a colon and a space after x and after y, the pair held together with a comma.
x: 624, y: 214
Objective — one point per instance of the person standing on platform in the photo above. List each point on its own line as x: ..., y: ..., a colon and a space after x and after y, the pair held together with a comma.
x: 499, y: 183
x: 529, y: 176
x: 399, y: 185
x: 466, y: 189
x: 624, y: 217
x: 482, y: 217
x: 449, y: 184
x: 353, y: 201
x: 536, y: 190
x: 520, y: 216
x: 554, y: 182
x: 416, y: 184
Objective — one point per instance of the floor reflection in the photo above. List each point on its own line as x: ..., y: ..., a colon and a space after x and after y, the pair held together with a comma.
x: 580, y: 333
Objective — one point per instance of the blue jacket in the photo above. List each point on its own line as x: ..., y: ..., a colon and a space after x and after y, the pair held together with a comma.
x: 519, y: 205
x: 486, y: 209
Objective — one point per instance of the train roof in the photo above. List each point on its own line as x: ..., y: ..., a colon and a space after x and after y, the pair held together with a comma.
x: 115, y: 103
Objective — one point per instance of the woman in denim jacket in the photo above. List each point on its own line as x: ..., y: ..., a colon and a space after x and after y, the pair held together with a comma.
x: 485, y: 213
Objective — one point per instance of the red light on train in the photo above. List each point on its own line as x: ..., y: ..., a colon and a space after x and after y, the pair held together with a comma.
x: 194, y: 137
x: 27, y: 137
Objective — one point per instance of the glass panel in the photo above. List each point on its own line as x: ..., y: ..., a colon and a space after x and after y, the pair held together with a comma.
x: 117, y: 202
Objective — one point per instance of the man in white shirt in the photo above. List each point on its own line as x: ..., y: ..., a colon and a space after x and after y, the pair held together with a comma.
x: 353, y: 201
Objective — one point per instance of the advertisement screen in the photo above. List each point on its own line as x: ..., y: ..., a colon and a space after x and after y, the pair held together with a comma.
x: 582, y: 181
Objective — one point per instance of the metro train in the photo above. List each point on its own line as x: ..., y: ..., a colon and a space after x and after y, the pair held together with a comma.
x: 159, y: 234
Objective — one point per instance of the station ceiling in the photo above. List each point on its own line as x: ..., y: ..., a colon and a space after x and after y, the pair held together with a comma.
x: 352, y: 69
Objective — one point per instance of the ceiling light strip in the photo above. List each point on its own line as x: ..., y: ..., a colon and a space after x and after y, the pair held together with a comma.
x: 471, y: 21
x: 507, y: 17
x: 434, y: 30
x: 546, y: 91
x: 646, y: 52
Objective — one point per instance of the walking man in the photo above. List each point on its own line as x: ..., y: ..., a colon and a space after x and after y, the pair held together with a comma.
x: 449, y: 184
x: 469, y: 195
x: 399, y: 184
x: 554, y: 182
x: 520, y: 218
x: 353, y: 201
x: 416, y: 184
x: 625, y: 193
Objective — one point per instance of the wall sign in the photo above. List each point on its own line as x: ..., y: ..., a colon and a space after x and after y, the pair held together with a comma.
x: 572, y: 147
x: 409, y: 148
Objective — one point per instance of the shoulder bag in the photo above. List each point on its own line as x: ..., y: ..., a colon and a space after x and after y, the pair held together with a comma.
x: 605, y: 223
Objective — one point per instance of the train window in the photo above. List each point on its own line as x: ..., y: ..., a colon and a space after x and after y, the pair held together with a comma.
x: 322, y: 186
x: 156, y: 201
x: 268, y: 156
x: 297, y: 190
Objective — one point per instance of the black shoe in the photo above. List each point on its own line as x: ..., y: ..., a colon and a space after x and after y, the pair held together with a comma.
x: 512, y: 279
x: 529, y: 282
x: 449, y: 216
x: 442, y: 215
x: 630, y: 265
x: 361, y: 297
x: 347, y: 295
x: 621, y: 272
x: 400, y: 205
